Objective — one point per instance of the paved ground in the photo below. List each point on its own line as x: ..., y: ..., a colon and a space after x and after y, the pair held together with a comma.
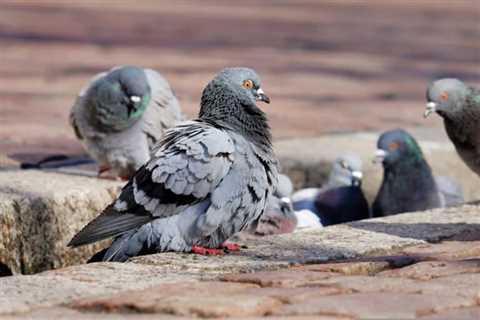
x: 420, y: 265
x: 328, y: 66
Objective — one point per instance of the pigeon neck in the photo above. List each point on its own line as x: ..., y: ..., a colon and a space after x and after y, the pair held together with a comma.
x: 414, y: 175
x: 224, y: 108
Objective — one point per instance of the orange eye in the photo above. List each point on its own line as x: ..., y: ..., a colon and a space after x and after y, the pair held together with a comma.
x: 444, y: 96
x: 248, y: 84
x: 393, y: 146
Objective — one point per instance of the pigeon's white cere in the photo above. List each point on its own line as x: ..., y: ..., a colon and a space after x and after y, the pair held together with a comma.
x: 380, y: 155
x: 135, y: 98
x: 357, y: 174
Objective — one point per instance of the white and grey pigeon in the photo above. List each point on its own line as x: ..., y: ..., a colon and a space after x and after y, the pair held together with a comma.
x: 459, y: 106
x: 207, y: 179
x: 340, y: 200
x: 121, y: 114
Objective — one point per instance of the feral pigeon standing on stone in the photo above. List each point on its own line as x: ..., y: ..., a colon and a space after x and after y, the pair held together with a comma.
x: 459, y: 106
x: 408, y: 184
x: 207, y: 179
x: 341, y: 199
x: 121, y: 114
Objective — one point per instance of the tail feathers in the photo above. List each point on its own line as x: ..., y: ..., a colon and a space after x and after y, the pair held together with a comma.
x: 109, y: 224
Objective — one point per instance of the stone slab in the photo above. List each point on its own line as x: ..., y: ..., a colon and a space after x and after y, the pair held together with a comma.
x: 40, y: 212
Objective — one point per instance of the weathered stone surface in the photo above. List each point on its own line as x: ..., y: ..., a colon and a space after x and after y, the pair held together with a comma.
x: 286, y: 278
x: 206, y: 300
x: 447, y: 250
x: 27, y: 292
x: 379, y: 305
x: 472, y: 313
x: 434, y: 269
x: 40, y: 212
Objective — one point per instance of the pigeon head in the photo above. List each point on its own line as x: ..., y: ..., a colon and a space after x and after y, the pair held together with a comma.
x: 119, y: 98
x: 346, y: 171
x: 230, y: 100
x: 397, y: 146
x: 445, y: 97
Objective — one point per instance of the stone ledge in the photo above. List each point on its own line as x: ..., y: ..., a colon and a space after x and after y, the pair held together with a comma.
x: 40, y: 212
x: 408, y: 234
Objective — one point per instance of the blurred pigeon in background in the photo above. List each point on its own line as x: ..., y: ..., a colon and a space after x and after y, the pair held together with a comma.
x: 459, y: 106
x: 121, y: 114
x: 208, y: 179
x: 341, y: 199
x: 408, y: 184
x: 451, y: 192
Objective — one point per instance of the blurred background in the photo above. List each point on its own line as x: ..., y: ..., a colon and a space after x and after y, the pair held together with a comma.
x: 329, y: 66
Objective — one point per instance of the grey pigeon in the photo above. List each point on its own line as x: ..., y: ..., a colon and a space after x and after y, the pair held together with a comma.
x: 121, y: 114
x: 459, y: 106
x: 279, y: 216
x: 341, y: 199
x: 207, y: 179
x: 408, y: 184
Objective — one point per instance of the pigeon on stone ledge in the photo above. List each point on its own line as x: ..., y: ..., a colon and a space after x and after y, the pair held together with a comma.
x: 459, y: 106
x: 207, y: 179
x: 408, y: 184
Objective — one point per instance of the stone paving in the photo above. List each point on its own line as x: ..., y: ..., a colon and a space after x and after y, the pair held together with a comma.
x: 423, y: 265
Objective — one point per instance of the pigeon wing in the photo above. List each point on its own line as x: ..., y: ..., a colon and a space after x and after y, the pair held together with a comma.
x: 186, y: 167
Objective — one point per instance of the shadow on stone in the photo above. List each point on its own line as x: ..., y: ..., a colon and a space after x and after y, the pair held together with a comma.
x: 430, y: 232
x: 5, y: 270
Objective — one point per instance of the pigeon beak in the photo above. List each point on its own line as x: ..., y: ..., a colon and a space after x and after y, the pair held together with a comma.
x: 379, y: 156
x: 261, y: 96
x: 135, y: 99
x: 357, y: 177
x: 430, y: 108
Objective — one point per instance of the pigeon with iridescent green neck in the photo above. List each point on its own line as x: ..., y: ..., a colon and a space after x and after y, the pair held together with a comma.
x: 408, y: 184
x: 121, y: 114
x: 459, y: 106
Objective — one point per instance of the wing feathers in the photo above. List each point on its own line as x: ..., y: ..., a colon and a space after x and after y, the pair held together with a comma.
x: 109, y: 224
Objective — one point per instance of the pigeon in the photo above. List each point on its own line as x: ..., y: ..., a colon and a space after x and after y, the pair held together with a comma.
x: 459, y: 106
x: 207, y: 179
x: 408, y: 184
x: 451, y: 192
x: 279, y: 216
x: 120, y: 115
x: 341, y: 199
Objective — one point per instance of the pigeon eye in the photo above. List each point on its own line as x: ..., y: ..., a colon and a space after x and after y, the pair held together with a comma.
x: 444, y: 96
x: 393, y: 146
x: 248, y: 84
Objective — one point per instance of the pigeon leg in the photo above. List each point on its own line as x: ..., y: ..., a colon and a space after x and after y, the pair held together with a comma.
x: 207, y: 251
x: 230, y: 246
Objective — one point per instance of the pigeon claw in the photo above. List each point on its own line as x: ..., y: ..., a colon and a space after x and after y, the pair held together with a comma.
x: 230, y: 246
x: 207, y: 251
